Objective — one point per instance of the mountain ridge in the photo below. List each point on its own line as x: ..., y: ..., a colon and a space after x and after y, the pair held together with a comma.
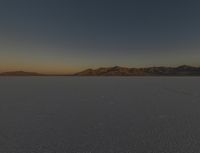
x: 183, y: 70
x: 21, y: 73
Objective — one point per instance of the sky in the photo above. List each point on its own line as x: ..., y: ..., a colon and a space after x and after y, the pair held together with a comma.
x: 67, y: 36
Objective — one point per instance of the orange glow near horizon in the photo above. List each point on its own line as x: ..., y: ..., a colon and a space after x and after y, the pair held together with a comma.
x: 39, y: 65
x: 63, y: 63
x: 40, y: 70
x: 51, y: 69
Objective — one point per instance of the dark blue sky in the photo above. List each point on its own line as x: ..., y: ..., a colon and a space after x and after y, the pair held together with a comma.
x: 70, y: 35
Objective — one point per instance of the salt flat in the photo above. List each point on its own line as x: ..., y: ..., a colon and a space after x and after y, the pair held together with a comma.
x: 99, y: 114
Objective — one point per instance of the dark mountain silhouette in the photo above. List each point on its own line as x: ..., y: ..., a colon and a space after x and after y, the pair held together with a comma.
x: 20, y: 73
x: 183, y: 70
x: 24, y: 73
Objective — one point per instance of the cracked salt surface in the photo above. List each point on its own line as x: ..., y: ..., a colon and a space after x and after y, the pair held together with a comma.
x: 99, y: 115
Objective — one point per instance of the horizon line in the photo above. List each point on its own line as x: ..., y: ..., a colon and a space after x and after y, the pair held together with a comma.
x: 65, y: 74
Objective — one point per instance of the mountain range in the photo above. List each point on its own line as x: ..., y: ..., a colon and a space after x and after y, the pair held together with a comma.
x: 24, y: 73
x: 20, y: 73
x: 183, y: 70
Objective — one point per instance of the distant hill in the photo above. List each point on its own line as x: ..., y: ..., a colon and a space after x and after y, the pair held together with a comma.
x: 183, y: 70
x: 20, y: 73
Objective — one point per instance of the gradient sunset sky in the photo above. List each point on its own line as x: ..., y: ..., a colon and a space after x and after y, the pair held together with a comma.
x: 66, y: 36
